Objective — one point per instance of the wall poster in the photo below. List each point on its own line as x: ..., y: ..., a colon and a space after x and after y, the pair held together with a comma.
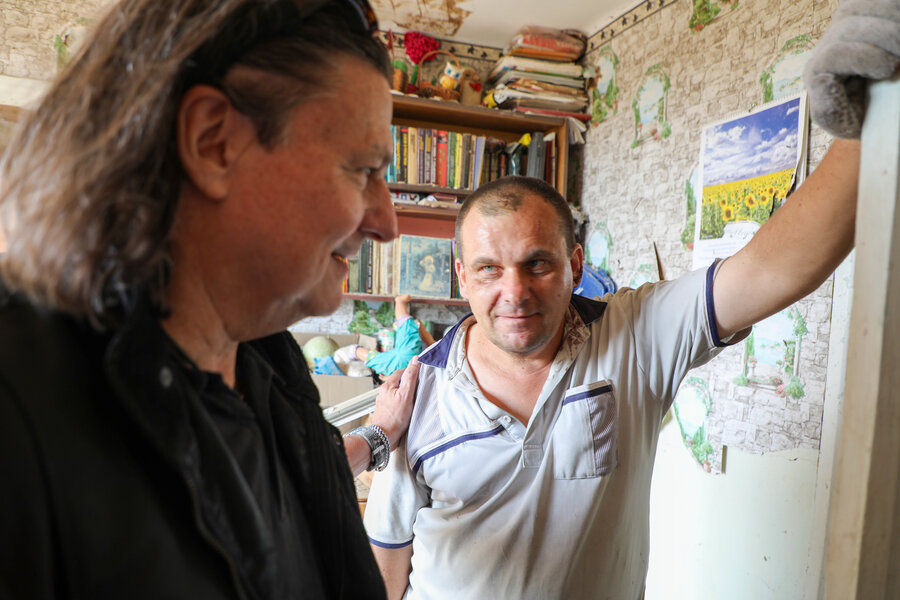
x: 748, y: 165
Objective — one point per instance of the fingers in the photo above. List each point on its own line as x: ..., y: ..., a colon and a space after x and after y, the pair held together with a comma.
x: 393, y: 407
x: 393, y: 380
x: 409, y: 376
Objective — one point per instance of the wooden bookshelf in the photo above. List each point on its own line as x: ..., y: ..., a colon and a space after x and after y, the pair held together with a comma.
x: 440, y: 222
x: 503, y: 124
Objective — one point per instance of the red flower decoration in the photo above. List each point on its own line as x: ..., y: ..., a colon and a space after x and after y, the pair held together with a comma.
x: 418, y: 45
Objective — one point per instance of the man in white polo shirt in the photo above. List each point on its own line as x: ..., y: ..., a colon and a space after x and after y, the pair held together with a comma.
x: 526, y: 469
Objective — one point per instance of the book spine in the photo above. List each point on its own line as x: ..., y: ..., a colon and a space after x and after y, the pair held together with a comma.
x: 468, y: 167
x: 452, y: 145
x: 478, y: 161
x: 460, y: 155
x: 535, y: 164
x: 361, y: 267
x: 413, y: 173
x: 388, y: 268
x: 432, y: 176
x: 442, y: 150
x: 426, y: 155
x: 369, y: 266
x: 551, y: 150
x: 397, y: 245
x: 548, y: 162
x: 420, y: 161
x: 389, y: 174
x: 397, y: 163
x: 353, y: 274
x: 454, y: 281
x: 376, y: 269
x: 404, y: 155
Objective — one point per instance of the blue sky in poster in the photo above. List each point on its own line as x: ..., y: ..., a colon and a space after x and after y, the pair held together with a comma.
x: 758, y: 144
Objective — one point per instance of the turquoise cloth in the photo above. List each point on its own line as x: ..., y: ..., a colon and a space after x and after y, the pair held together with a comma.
x: 407, y: 344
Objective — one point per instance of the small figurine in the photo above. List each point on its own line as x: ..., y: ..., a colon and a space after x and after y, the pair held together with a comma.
x: 450, y: 78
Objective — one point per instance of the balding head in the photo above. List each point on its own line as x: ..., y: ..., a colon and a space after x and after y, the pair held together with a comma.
x: 506, y: 195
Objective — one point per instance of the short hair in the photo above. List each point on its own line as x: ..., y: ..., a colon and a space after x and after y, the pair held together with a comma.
x: 89, y: 186
x: 507, y: 194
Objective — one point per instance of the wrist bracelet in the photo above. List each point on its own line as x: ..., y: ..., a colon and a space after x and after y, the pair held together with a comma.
x: 378, y: 444
x: 387, y: 445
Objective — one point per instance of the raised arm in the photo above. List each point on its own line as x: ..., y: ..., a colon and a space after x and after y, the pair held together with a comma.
x: 393, y: 409
x: 807, y: 238
x: 797, y: 249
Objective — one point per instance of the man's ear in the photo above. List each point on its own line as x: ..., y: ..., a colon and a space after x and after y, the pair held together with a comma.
x: 211, y: 135
x: 460, y: 276
x: 577, y: 262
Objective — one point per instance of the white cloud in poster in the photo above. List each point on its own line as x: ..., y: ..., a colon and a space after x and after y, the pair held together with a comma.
x: 758, y: 144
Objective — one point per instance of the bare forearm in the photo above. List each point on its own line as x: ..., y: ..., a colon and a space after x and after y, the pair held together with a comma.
x: 395, y: 565
x: 359, y: 455
x: 797, y: 249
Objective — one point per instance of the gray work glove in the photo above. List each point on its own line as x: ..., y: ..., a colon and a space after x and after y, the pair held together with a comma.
x: 861, y: 43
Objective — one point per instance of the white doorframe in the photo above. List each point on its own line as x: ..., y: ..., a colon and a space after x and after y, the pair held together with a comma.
x: 863, y: 539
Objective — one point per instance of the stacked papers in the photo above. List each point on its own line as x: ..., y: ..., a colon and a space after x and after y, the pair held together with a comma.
x: 534, y: 65
x: 520, y: 83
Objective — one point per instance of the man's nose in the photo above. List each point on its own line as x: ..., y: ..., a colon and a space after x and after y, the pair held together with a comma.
x: 514, y: 286
x: 380, y: 221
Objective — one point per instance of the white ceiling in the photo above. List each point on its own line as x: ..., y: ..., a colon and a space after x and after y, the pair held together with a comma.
x: 494, y: 22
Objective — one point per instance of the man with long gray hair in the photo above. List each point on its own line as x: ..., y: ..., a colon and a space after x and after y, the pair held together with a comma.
x: 192, y: 184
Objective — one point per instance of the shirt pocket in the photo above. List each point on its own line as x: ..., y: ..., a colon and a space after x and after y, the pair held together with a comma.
x: 585, y: 438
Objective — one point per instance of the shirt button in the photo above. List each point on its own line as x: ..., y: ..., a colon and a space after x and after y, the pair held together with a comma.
x: 165, y: 377
x: 506, y: 420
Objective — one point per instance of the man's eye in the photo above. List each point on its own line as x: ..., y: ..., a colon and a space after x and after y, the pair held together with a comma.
x: 489, y: 269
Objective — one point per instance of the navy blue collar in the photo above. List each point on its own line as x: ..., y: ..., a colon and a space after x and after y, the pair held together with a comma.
x: 437, y: 356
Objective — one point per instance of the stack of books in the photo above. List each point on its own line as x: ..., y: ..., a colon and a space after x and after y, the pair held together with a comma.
x: 539, y: 74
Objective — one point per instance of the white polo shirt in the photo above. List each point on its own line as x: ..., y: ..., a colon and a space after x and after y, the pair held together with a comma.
x: 557, y: 508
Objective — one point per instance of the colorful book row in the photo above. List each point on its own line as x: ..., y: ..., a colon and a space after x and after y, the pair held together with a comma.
x: 454, y: 160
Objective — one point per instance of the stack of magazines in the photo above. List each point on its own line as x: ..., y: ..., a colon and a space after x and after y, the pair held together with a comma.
x: 539, y: 73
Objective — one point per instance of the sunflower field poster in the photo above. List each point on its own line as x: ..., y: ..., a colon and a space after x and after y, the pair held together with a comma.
x: 748, y: 166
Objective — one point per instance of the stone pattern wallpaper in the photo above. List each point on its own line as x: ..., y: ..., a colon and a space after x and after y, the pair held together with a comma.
x: 638, y: 193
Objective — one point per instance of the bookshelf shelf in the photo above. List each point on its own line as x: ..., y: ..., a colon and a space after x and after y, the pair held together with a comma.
x: 379, y: 298
x: 427, y: 212
x: 427, y: 189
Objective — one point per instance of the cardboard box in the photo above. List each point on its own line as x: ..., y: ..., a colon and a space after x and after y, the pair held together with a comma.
x: 334, y: 389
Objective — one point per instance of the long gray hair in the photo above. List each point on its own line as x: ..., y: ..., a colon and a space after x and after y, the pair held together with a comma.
x: 90, y: 184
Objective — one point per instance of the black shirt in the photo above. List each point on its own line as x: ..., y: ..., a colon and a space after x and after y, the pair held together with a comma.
x: 244, y: 425
x: 128, y: 473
